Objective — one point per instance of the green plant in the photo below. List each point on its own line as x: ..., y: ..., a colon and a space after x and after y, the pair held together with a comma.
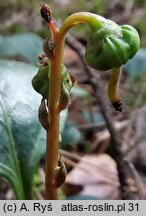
x: 109, y: 46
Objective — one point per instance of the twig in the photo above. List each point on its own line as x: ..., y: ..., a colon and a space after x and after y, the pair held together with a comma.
x: 105, y: 135
x: 38, y: 195
x: 138, y: 182
x: 95, y: 81
x: 91, y: 126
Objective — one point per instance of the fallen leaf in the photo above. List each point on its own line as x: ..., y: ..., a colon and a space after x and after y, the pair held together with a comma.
x: 98, y: 176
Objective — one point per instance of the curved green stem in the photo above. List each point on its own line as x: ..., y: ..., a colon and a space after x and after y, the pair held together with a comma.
x: 93, y: 20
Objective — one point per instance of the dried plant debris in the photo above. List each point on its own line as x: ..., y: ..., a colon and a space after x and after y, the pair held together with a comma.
x: 97, y: 174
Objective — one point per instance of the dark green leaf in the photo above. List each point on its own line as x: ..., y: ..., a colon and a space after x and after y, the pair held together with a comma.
x: 22, y: 139
x: 28, y: 45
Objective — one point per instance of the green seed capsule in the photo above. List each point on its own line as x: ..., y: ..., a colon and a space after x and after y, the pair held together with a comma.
x: 111, y: 46
x: 40, y: 81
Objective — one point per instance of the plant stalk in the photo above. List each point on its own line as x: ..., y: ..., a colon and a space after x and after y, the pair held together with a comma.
x: 112, y: 89
x: 53, y: 118
x: 58, y: 36
x: 112, y: 85
x: 52, y: 144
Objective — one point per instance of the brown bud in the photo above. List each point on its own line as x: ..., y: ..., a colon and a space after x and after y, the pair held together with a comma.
x: 45, y: 12
x: 48, y: 47
x: 43, y: 114
x: 60, y: 173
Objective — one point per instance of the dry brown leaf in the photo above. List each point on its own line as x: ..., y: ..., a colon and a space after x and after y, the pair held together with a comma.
x: 98, y: 176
